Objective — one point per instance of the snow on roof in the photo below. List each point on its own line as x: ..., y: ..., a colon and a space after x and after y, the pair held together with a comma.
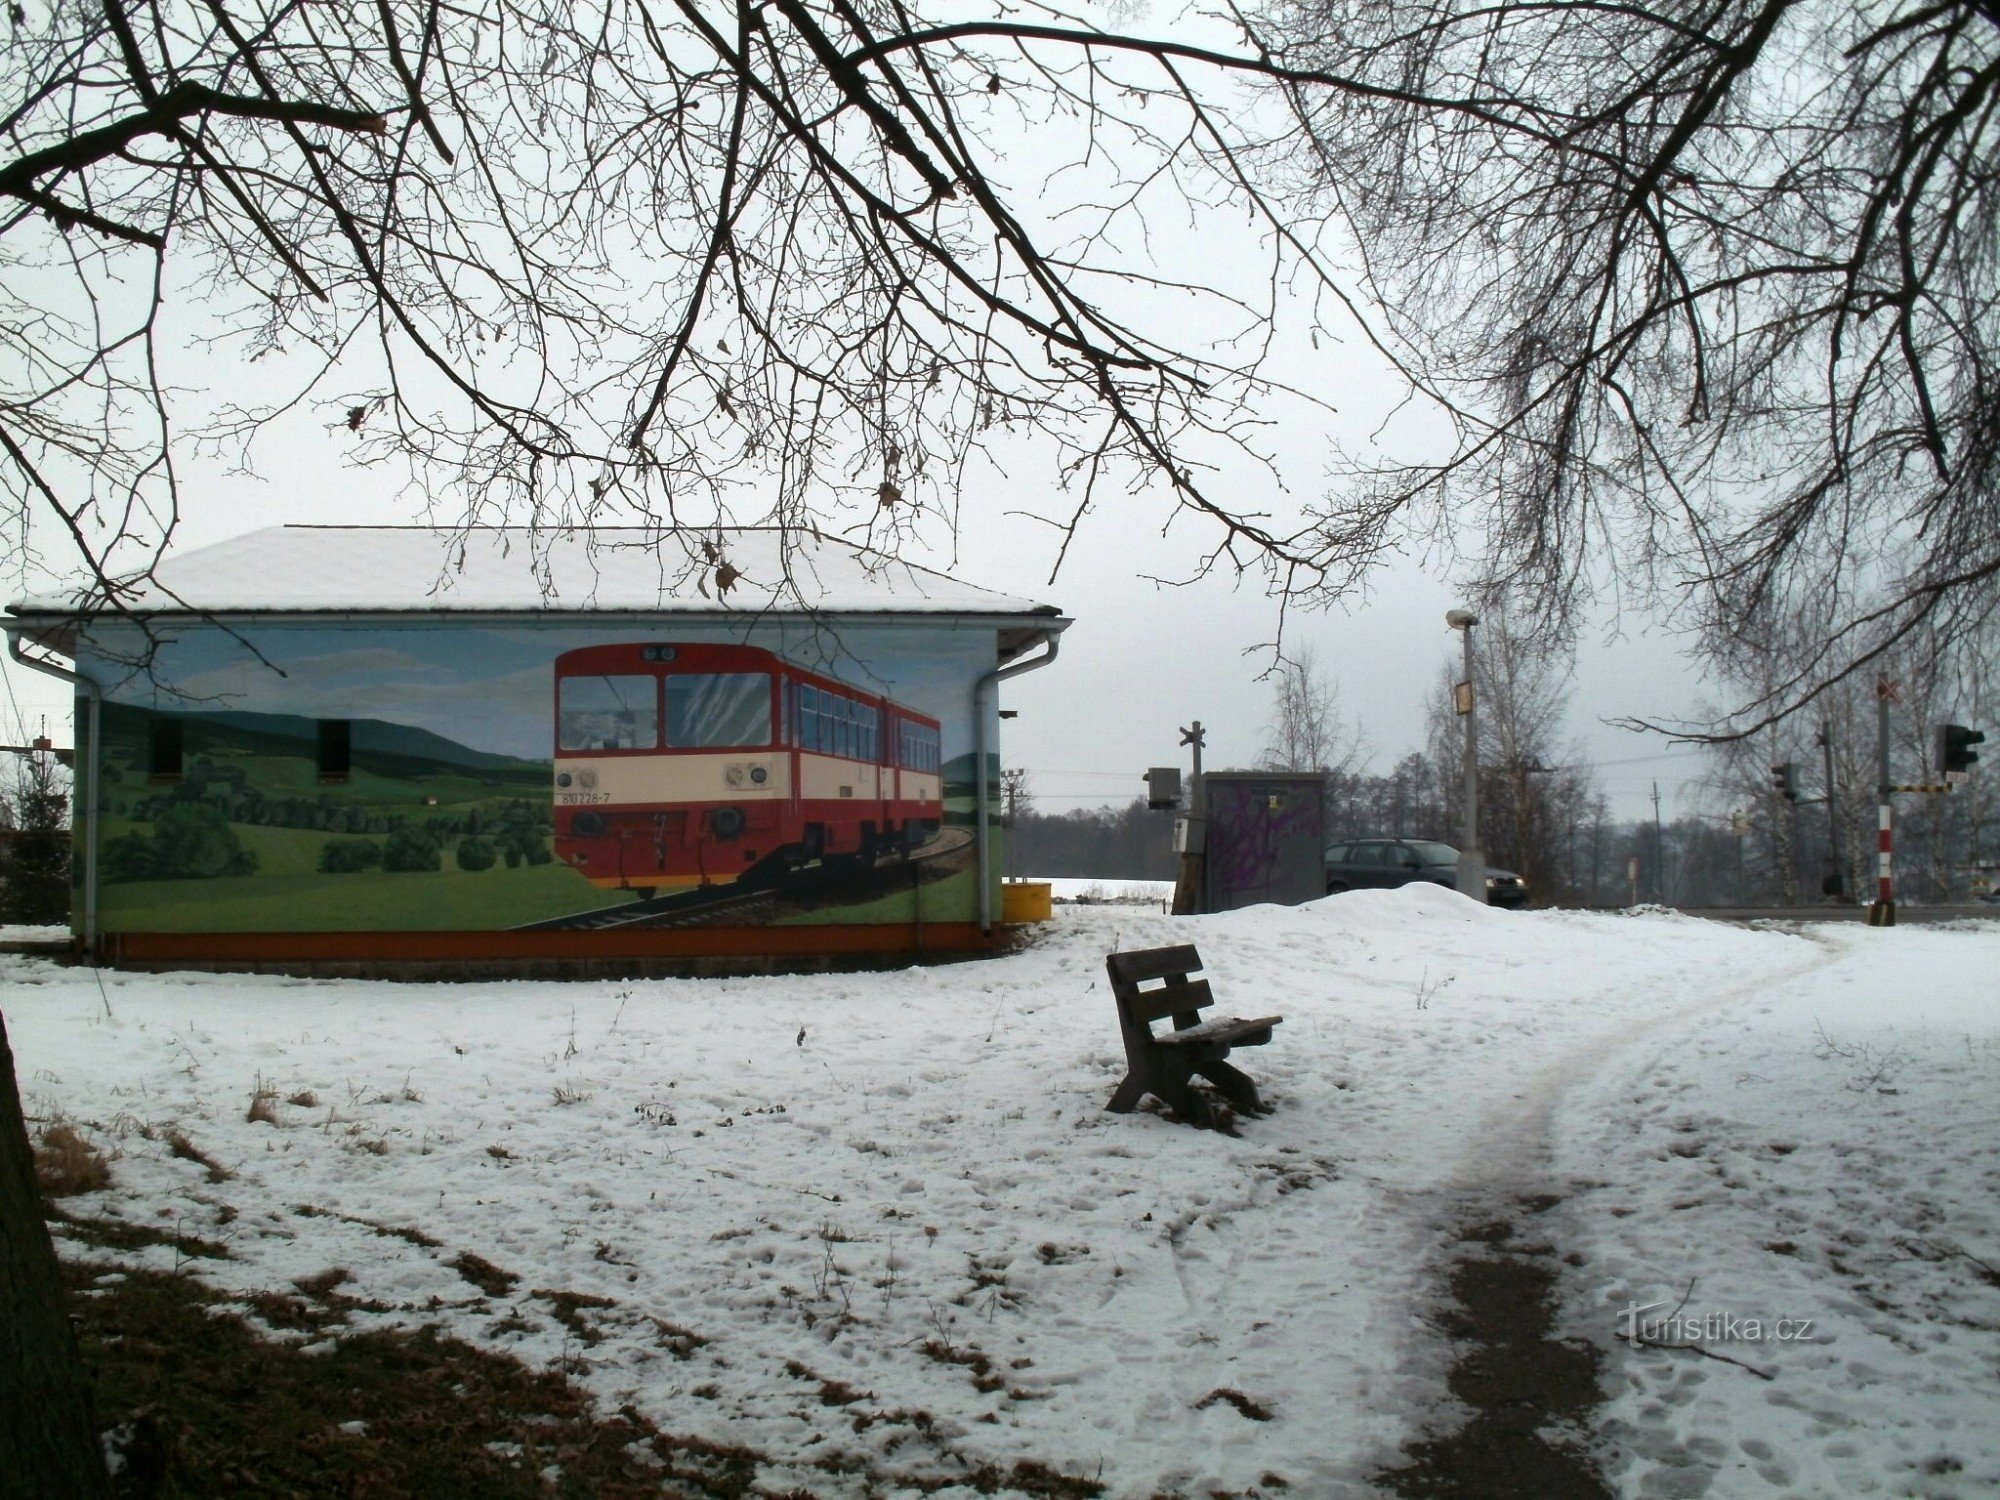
x: 422, y: 569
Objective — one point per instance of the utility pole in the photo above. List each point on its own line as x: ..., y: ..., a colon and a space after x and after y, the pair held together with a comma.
x: 1471, y: 863
x: 1839, y: 890
x: 1659, y: 851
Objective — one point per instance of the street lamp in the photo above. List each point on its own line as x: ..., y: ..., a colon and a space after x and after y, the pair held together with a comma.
x: 1471, y: 863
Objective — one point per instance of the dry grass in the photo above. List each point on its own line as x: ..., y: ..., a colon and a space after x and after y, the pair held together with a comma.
x: 304, y: 1099
x: 322, y: 1283
x: 179, y: 1145
x: 384, y: 1413
x: 67, y: 1164
x: 263, y: 1107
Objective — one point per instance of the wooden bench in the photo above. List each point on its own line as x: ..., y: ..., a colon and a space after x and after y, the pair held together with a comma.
x: 1154, y: 983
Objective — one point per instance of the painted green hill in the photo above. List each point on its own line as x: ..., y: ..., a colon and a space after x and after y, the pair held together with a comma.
x: 387, y: 748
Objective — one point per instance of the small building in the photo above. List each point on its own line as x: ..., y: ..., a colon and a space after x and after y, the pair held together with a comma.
x: 337, y: 748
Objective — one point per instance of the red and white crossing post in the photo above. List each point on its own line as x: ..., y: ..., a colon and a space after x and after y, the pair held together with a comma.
x: 1883, y: 912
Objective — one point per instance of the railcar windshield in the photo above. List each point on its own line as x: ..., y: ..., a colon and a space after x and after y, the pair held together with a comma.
x: 708, y: 711
x: 608, y: 713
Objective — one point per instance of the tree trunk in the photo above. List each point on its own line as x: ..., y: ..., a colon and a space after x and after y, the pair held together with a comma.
x: 48, y: 1434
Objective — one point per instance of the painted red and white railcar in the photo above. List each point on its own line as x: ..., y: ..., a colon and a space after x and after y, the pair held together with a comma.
x: 682, y: 765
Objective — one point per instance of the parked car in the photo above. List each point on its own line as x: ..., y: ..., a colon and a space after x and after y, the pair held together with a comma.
x: 1366, y: 863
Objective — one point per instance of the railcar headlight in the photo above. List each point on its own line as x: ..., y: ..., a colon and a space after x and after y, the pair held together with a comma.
x: 759, y: 775
x: 563, y: 778
x: 587, y: 779
x: 734, y: 776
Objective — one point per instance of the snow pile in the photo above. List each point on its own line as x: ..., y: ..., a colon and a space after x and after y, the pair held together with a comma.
x: 883, y: 1221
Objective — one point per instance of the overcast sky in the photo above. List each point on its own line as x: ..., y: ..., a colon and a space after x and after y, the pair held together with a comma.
x: 1141, y: 660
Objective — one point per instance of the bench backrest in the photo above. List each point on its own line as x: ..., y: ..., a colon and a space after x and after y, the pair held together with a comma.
x: 1155, y: 982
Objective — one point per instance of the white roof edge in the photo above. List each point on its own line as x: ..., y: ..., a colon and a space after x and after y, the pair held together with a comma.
x: 425, y: 572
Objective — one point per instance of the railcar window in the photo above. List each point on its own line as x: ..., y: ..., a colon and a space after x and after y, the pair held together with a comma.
x: 720, y: 708
x: 608, y: 713
x: 808, y: 717
x: 918, y: 746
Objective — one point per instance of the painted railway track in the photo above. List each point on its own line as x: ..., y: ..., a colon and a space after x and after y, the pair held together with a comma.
x: 706, y: 904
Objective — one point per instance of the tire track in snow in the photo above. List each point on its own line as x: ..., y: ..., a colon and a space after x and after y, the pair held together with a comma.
x: 1514, y: 1143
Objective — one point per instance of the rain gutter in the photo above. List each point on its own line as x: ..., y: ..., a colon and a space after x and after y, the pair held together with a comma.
x: 983, y: 701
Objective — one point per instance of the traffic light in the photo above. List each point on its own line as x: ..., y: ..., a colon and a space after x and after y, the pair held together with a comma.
x: 1954, y: 747
x: 1785, y: 781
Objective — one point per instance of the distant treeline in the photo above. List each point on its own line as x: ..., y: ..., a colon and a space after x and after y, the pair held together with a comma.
x: 1105, y: 843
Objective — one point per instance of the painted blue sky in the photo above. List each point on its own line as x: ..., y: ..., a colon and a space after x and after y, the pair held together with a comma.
x: 491, y: 688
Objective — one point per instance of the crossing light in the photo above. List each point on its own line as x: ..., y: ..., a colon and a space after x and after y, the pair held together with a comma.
x: 1785, y: 780
x: 1954, y: 747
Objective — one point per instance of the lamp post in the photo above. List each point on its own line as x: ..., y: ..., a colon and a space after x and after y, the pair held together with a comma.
x: 1471, y: 863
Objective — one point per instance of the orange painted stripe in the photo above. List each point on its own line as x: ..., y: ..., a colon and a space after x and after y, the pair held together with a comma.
x: 707, y: 942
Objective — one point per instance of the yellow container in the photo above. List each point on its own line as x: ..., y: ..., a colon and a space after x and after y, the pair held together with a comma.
x: 1027, y: 901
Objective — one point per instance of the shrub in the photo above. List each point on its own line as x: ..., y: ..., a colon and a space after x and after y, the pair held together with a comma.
x: 411, y: 849
x: 192, y: 841
x: 188, y: 841
x: 346, y: 856
x: 523, y: 842
x: 128, y: 857
x: 476, y: 854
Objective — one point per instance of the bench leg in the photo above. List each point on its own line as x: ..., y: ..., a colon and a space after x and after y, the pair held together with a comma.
x: 1170, y: 1086
x: 1130, y: 1092
x: 1179, y: 1096
x: 1233, y: 1084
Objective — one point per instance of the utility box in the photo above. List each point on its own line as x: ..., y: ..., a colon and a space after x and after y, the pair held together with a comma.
x: 1266, y: 838
x: 1163, y: 787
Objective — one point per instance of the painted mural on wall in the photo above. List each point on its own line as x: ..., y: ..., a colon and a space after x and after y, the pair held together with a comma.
x: 452, y: 777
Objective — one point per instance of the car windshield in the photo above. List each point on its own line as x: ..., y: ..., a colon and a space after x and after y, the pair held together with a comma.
x: 1434, y: 854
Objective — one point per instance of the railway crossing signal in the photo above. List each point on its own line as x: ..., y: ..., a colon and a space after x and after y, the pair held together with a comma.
x: 1955, y: 755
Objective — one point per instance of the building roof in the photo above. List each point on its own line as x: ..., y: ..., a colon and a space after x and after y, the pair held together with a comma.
x: 403, y: 570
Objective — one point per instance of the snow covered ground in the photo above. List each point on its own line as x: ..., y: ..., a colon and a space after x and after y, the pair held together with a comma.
x: 883, y: 1220
x: 1156, y: 893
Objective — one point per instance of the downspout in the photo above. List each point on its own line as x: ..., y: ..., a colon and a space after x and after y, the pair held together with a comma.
x: 982, y: 699
x: 88, y: 799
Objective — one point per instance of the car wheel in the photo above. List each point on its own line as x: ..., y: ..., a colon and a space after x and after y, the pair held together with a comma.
x: 1335, y: 887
